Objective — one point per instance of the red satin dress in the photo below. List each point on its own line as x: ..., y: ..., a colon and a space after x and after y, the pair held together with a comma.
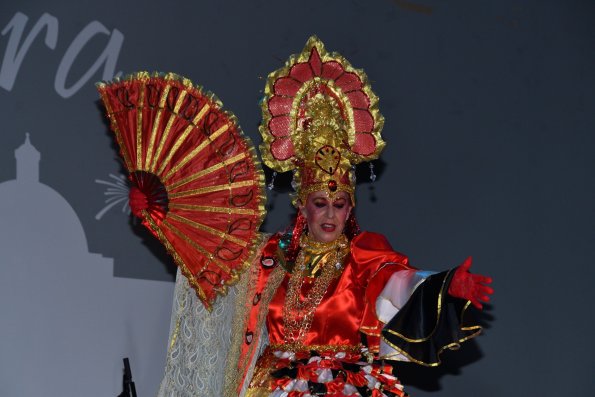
x: 334, y: 359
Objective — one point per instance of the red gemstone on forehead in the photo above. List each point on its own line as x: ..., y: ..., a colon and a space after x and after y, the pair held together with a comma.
x: 332, y: 185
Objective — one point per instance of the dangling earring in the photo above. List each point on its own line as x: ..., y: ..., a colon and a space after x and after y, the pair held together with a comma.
x: 351, y: 226
x: 300, y: 226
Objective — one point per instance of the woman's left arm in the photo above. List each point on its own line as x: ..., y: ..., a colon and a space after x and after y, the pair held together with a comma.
x: 433, y: 317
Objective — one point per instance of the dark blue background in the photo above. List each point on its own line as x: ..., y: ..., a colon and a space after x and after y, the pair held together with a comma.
x: 489, y: 111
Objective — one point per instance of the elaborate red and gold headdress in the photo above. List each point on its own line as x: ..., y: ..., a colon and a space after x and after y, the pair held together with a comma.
x: 320, y: 119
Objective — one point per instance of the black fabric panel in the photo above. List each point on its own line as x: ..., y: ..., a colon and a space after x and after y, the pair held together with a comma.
x: 430, y: 322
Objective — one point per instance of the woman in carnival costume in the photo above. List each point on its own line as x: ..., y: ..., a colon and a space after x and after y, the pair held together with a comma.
x: 323, y: 307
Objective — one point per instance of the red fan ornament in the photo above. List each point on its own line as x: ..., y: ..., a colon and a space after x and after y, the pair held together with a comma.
x: 203, y: 182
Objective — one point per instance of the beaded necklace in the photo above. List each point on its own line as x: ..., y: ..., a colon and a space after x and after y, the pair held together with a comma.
x: 328, y: 259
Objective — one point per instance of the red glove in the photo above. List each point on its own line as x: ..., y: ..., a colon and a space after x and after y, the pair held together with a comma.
x: 471, y: 287
x: 138, y: 201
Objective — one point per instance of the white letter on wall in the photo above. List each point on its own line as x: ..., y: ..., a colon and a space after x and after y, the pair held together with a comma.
x: 109, y: 56
x: 13, y: 56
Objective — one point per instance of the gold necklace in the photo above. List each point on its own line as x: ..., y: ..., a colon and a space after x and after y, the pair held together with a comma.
x: 298, y: 314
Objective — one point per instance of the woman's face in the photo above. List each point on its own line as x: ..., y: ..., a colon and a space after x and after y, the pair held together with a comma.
x: 326, y: 218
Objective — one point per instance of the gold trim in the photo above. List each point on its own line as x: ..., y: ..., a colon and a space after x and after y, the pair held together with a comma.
x: 207, y: 229
x: 297, y: 312
x: 197, y: 150
x: 203, y: 251
x: 307, y: 86
x: 258, y: 392
x: 139, y: 127
x: 166, y: 131
x: 238, y: 325
x: 201, y: 113
x: 207, y: 171
x: 267, y: 136
x: 210, y: 189
x: 450, y: 346
x: 205, y: 208
x: 439, y: 310
x: 174, y: 335
x: 156, y: 124
x: 274, y: 281
x: 300, y: 347
x: 180, y: 140
x: 123, y: 149
x: 178, y: 259
x: 176, y: 331
x: 114, y: 126
x: 236, y: 368
x: 259, y: 198
x: 476, y: 329
x: 259, y: 181
x: 369, y: 330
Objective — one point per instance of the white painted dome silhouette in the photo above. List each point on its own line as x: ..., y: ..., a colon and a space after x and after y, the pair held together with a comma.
x: 34, y: 216
x: 66, y: 321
